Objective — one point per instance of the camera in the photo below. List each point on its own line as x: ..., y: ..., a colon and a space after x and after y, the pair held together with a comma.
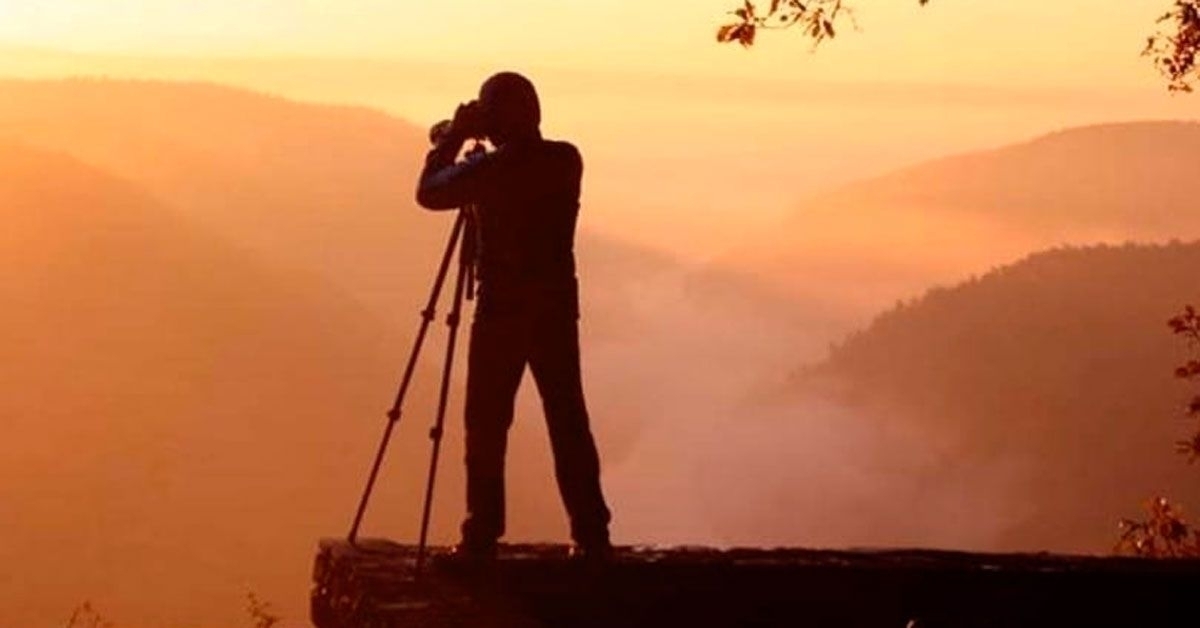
x: 468, y: 122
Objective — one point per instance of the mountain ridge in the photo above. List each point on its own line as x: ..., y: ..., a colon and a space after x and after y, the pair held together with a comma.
x: 887, y: 237
x: 1061, y: 361
x: 151, y: 370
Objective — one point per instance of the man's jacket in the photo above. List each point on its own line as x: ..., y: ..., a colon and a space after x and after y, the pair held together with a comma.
x: 526, y: 198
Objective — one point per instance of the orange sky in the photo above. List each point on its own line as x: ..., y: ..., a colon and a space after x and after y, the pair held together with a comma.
x: 686, y: 141
x: 1015, y: 41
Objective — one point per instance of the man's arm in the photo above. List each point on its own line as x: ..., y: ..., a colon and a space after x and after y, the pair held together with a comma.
x: 448, y: 185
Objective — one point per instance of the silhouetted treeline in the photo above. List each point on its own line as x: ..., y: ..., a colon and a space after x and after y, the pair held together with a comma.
x: 1057, y: 363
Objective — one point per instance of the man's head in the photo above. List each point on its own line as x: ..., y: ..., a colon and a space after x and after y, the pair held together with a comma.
x: 510, y: 106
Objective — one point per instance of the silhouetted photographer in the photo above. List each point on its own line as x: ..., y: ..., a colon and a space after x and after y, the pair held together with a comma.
x: 525, y: 199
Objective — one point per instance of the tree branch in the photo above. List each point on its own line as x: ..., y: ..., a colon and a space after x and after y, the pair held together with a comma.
x: 1173, y: 48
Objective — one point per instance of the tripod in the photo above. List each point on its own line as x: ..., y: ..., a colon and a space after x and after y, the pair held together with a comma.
x: 462, y: 236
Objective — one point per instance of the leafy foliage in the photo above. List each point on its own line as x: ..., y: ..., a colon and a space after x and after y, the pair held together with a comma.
x: 261, y: 615
x: 86, y: 616
x: 1187, y: 325
x: 1165, y: 533
x: 1173, y: 49
x: 816, y: 19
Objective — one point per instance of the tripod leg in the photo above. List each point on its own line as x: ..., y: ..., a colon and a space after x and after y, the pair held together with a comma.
x: 393, y: 414
x: 435, y: 434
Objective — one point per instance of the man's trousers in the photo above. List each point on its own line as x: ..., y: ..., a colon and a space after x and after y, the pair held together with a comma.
x: 500, y: 347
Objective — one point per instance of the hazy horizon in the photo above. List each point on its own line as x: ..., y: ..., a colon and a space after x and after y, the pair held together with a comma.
x: 679, y: 159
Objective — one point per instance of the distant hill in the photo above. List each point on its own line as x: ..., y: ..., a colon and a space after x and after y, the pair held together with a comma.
x: 868, y: 243
x: 321, y: 187
x: 1055, y: 372
x: 324, y: 188
x: 166, y: 397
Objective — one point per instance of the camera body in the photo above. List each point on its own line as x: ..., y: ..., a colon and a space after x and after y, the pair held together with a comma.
x: 469, y: 123
x: 469, y: 120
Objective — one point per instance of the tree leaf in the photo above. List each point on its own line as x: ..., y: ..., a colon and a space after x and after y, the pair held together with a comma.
x: 746, y: 35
